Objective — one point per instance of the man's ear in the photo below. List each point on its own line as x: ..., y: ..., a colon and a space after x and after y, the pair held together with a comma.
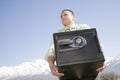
x: 73, y: 18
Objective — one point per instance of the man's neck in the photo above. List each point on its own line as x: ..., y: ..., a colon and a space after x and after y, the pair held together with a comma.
x: 70, y: 25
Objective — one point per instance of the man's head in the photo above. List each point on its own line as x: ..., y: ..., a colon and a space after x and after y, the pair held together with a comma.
x: 67, y: 17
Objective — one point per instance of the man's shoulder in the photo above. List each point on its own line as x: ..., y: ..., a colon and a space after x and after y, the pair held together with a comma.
x: 82, y: 26
x: 75, y: 27
x: 61, y: 30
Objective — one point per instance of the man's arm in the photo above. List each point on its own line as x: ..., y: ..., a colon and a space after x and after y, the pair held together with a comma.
x: 51, y: 60
x: 53, y: 67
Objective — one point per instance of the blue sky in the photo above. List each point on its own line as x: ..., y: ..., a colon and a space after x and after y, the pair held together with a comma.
x: 26, y: 26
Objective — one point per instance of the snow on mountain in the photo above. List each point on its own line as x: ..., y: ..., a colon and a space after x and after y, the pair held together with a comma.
x: 39, y: 70
x: 112, y: 70
x: 35, y: 70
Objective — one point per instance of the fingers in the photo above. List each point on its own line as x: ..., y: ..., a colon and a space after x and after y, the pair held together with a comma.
x: 101, y: 68
x: 57, y: 74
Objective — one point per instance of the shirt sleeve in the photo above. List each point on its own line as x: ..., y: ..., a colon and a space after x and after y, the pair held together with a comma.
x: 51, y: 51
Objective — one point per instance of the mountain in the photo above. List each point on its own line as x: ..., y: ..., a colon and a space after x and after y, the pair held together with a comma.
x: 112, y: 70
x: 35, y: 70
x: 39, y: 70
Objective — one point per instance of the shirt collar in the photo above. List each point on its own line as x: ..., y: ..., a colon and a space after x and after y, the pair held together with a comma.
x: 69, y: 27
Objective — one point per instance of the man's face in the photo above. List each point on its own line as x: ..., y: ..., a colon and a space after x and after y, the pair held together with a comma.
x: 67, y: 18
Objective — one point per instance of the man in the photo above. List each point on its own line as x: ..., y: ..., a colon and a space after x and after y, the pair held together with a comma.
x: 67, y: 18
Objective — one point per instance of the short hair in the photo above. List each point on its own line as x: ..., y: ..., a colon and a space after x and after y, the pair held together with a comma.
x: 68, y: 10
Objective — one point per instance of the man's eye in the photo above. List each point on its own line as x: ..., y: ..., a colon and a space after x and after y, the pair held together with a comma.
x: 65, y: 15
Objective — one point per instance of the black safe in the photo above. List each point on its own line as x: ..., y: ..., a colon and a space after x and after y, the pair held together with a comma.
x: 78, y: 54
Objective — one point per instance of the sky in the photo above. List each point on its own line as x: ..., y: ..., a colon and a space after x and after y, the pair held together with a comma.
x: 27, y: 26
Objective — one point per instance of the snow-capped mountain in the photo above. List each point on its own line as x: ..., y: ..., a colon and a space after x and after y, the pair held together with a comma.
x: 112, y: 70
x: 35, y: 70
x: 39, y: 70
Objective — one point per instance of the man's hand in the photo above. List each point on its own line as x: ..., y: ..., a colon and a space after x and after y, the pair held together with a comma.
x: 101, y: 68
x: 53, y: 67
x: 54, y: 71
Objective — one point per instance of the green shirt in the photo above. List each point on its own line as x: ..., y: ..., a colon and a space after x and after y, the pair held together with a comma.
x: 51, y: 50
